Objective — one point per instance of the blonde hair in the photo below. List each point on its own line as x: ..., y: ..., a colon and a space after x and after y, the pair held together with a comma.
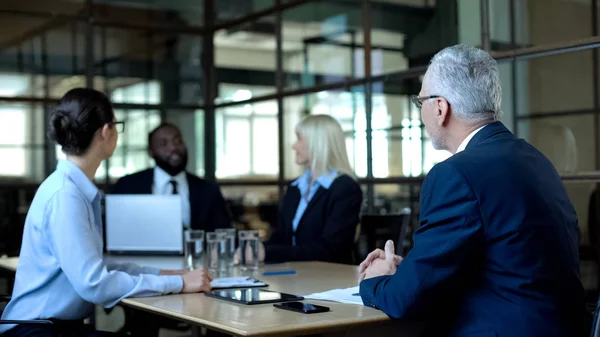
x: 326, y: 145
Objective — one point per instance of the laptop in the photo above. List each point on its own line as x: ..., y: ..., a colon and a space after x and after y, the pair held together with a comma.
x: 144, y: 224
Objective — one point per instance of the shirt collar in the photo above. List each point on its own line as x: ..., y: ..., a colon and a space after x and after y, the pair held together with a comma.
x: 324, y: 180
x: 161, y: 177
x: 465, y: 142
x: 90, y: 191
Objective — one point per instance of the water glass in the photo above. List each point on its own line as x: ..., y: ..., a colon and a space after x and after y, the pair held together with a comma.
x: 214, y: 241
x: 228, y: 247
x: 194, y: 248
x: 249, y: 250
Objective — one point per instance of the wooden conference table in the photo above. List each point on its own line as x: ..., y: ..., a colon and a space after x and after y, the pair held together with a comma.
x: 265, y: 320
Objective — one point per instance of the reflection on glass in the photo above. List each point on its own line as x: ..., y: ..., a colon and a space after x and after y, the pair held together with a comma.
x: 324, y: 44
x: 564, y: 140
x: 148, y: 92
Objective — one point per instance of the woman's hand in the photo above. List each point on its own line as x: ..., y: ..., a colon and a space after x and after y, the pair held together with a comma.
x: 196, y: 281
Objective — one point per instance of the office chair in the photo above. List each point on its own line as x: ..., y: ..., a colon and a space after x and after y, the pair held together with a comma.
x: 377, y: 229
x: 6, y: 299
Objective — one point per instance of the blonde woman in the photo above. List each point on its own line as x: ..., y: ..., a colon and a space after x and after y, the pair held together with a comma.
x: 320, y: 209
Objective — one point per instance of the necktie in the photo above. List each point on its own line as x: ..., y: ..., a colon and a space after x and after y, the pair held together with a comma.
x: 174, y: 183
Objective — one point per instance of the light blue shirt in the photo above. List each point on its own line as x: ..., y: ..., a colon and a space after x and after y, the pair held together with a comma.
x: 61, y: 272
x: 303, y: 183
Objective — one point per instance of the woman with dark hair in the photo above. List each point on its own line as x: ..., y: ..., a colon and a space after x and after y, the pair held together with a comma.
x: 61, y: 273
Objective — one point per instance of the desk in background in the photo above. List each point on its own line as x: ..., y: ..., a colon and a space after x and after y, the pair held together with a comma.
x: 265, y: 320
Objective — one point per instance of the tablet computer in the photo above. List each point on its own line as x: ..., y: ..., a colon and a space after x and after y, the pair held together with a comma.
x: 253, y: 296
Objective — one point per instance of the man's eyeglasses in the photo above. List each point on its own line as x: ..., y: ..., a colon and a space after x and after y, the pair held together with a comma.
x: 120, y: 126
x: 418, y: 101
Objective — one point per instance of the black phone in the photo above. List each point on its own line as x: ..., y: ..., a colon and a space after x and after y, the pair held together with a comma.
x: 306, y: 308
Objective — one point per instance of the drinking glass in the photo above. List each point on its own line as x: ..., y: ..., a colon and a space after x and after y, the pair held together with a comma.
x: 194, y: 249
x: 249, y: 250
x: 214, y: 241
x: 228, y: 247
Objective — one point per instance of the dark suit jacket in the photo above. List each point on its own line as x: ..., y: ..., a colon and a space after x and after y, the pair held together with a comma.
x: 496, y: 253
x: 325, y: 231
x: 207, y: 205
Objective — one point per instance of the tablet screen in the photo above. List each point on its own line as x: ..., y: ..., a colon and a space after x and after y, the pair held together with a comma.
x: 253, y: 296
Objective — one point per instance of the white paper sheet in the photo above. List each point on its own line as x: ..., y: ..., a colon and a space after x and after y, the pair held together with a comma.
x: 348, y: 296
x: 236, y: 282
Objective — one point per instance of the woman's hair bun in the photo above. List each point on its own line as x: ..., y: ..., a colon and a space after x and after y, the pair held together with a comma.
x: 63, y: 130
x: 80, y: 113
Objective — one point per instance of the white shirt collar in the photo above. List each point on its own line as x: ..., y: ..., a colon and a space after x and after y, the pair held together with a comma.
x: 465, y: 142
x: 161, y: 178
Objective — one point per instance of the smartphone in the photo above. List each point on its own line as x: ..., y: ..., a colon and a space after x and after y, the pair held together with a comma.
x: 306, y: 308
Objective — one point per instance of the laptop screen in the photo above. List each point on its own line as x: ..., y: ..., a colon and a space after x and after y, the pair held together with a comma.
x: 144, y: 224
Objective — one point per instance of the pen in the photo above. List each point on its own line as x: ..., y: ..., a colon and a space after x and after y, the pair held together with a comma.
x: 281, y: 272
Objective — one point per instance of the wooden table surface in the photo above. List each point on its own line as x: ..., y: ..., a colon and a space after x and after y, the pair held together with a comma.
x: 266, y: 320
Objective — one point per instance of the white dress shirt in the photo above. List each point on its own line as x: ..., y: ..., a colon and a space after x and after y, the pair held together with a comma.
x: 163, y: 186
x: 465, y: 142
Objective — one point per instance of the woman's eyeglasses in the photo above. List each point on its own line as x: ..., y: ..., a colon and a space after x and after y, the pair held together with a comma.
x: 120, y: 126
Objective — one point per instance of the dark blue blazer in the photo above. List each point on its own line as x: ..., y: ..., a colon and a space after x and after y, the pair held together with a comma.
x: 496, y: 253
x: 327, y: 227
x: 208, y: 208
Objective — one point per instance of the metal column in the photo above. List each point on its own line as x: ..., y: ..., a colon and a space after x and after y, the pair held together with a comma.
x: 485, y: 25
x: 366, y: 16
x: 208, y: 63
x: 279, y: 82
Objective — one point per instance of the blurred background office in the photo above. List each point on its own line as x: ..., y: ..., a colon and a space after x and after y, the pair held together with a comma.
x: 236, y: 76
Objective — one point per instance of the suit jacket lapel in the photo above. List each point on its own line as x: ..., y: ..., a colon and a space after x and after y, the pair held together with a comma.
x: 290, y: 211
x: 194, y: 199
x: 148, y: 182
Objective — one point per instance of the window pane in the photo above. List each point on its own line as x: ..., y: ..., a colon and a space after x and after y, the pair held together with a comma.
x: 247, y: 141
x: 245, y: 59
x: 233, y: 156
x: 552, y: 21
x: 13, y: 124
x: 265, y: 147
x: 141, y: 93
x: 323, y: 43
x: 131, y: 154
x: 154, y: 67
x: 138, y: 124
x: 13, y: 161
x: 558, y: 83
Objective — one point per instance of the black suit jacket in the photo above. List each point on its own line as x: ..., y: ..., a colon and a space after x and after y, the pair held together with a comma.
x: 207, y: 205
x: 325, y: 231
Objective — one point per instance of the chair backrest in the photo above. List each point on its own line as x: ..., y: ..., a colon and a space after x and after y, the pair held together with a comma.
x: 268, y: 212
x: 3, y: 302
x: 377, y: 229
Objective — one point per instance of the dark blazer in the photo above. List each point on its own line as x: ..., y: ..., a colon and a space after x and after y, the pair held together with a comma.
x: 207, y: 205
x: 496, y: 253
x: 325, y: 231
